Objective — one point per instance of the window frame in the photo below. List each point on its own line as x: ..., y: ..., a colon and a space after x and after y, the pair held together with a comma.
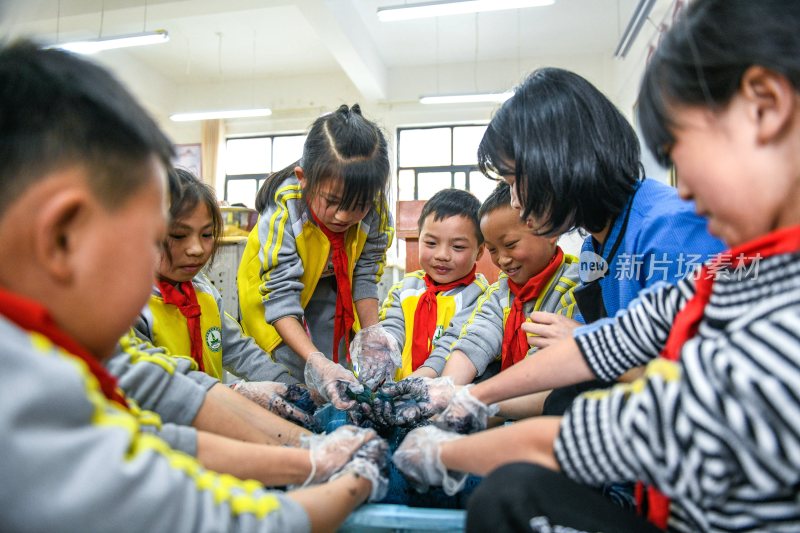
x: 451, y: 168
x: 259, y: 177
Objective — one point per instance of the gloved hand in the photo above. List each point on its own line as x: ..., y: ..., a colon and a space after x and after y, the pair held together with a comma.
x: 419, y: 459
x: 330, y: 452
x: 375, y: 355
x: 370, y: 462
x: 411, y: 401
x: 292, y: 402
x: 332, y: 381
x: 465, y: 413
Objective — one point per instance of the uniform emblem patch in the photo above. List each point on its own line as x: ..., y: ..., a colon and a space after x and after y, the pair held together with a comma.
x: 214, y: 339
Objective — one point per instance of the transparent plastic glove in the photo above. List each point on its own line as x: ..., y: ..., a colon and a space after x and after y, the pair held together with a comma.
x: 465, y: 413
x: 376, y: 356
x: 291, y: 402
x: 370, y: 462
x: 419, y: 459
x: 330, y: 452
x: 332, y: 381
x: 413, y: 400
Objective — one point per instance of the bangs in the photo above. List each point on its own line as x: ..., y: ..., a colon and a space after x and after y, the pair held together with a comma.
x: 494, y: 151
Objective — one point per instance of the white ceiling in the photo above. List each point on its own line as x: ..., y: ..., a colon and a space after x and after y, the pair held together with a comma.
x: 214, y: 41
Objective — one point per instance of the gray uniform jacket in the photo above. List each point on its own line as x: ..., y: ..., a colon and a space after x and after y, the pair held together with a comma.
x: 481, y: 337
x: 74, y: 461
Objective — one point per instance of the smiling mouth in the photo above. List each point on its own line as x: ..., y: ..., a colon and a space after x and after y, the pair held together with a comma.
x: 511, y: 271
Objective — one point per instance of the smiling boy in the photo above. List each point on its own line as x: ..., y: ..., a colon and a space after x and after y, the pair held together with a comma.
x: 537, y: 276
x: 428, y: 302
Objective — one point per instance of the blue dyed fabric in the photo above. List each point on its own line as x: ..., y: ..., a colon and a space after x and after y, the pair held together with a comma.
x: 665, y: 240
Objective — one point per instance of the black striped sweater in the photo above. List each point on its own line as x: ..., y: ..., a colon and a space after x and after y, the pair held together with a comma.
x: 718, y: 431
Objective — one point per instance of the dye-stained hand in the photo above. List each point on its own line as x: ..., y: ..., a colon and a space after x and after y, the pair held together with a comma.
x: 376, y: 356
x: 411, y: 401
x: 419, y: 459
x: 332, y: 381
x: 292, y: 402
x: 465, y: 413
x: 330, y: 452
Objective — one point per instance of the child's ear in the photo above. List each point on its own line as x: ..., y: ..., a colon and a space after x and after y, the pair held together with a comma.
x: 55, y: 232
x: 771, y: 101
x: 481, y: 248
x: 298, y: 171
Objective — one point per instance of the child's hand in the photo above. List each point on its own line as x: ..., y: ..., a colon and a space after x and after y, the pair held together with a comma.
x: 465, y: 413
x: 332, y: 381
x: 419, y: 459
x: 289, y: 402
x: 330, y: 452
x: 370, y: 462
x: 544, y: 329
x: 376, y: 356
x: 413, y: 400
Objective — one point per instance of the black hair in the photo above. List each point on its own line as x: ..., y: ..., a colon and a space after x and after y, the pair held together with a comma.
x: 451, y: 203
x: 701, y: 60
x: 340, y: 145
x: 186, y: 191
x: 499, y: 199
x: 575, y: 158
x: 58, y: 110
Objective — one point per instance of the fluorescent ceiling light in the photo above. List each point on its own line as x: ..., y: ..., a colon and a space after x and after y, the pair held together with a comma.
x: 453, y: 7
x: 496, y: 98
x: 211, y: 115
x: 640, y: 14
x: 93, y: 46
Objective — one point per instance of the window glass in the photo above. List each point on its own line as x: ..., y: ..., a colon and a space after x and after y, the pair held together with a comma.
x: 424, y: 147
x: 286, y: 150
x: 405, y: 183
x: 465, y: 144
x: 242, y: 191
x: 460, y: 181
x: 248, y: 156
x: 429, y: 183
x: 480, y: 185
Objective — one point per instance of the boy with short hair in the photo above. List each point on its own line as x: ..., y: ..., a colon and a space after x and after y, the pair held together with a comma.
x: 83, y: 166
x: 537, y: 276
x: 440, y: 296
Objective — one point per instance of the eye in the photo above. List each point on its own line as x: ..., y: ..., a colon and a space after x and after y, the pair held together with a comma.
x: 176, y: 237
x: 511, y: 245
x: 491, y: 251
x: 458, y: 248
x: 208, y: 235
x: 430, y: 243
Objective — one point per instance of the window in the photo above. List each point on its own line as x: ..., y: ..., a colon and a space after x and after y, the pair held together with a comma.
x: 250, y: 160
x: 434, y: 158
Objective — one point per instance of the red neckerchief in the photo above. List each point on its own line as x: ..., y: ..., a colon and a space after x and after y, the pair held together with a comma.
x: 32, y: 316
x: 186, y: 302
x: 426, y: 313
x: 345, y: 318
x: 686, y: 322
x: 515, y: 341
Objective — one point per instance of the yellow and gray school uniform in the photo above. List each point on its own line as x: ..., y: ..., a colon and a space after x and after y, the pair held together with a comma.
x: 453, y: 307
x: 158, y: 381
x: 481, y: 337
x: 224, y: 344
x: 285, y: 271
x: 75, y: 461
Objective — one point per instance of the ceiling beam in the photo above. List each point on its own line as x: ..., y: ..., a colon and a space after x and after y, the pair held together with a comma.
x: 341, y: 28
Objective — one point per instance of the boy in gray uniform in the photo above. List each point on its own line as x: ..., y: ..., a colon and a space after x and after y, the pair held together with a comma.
x: 83, y: 166
x: 537, y: 276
